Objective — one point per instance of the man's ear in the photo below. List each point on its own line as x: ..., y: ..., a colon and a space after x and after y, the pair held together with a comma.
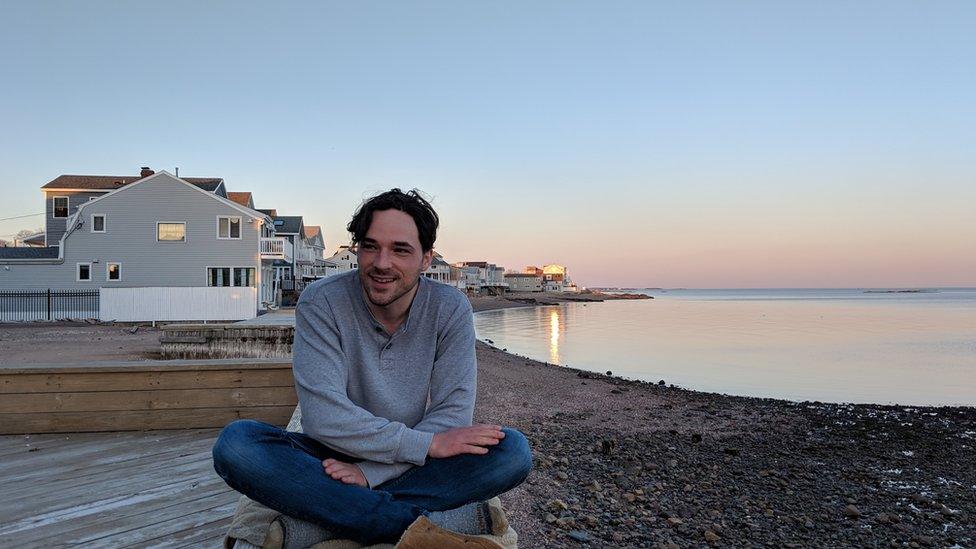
x: 428, y: 257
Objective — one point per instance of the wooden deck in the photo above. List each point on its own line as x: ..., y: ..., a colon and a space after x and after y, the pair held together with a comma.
x: 122, y: 489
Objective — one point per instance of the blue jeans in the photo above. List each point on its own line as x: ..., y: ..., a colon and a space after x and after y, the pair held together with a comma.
x: 283, y: 471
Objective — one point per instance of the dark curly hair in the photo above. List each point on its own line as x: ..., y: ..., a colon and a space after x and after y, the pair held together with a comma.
x: 411, y: 203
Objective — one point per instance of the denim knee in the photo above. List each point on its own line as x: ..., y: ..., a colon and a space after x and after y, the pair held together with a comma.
x: 234, y: 443
x: 516, y: 455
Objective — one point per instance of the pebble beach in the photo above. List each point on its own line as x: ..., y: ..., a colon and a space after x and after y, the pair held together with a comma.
x: 622, y: 463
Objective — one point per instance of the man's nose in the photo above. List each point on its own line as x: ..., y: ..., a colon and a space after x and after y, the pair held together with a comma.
x: 383, y: 259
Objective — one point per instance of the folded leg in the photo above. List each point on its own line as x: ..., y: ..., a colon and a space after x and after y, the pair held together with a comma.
x: 283, y: 471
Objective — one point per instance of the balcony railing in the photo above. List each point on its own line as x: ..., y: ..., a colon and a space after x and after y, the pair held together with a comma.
x: 276, y: 248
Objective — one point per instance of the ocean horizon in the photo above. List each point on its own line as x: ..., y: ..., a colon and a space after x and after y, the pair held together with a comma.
x: 905, y: 346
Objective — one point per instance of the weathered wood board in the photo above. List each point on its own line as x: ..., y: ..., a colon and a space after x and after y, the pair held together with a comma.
x: 160, y: 394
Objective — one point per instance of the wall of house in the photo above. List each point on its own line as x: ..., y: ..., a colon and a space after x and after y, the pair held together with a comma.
x: 130, y: 238
x: 524, y: 283
x: 55, y: 226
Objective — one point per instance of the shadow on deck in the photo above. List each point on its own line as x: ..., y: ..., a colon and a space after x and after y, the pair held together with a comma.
x: 147, y: 488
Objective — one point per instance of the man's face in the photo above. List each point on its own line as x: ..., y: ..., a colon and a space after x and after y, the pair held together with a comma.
x: 391, y: 258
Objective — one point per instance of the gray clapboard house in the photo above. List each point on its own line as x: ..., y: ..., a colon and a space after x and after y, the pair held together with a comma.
x: 152, y: 231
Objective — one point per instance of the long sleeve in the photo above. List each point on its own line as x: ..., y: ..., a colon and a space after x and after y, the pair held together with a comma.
x: 453, y: 385
x: 328, y: 415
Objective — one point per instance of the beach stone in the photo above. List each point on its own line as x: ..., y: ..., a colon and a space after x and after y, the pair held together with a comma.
x: 579, y: 535
x: 595, y: 486
x: 711, y: 536
x: 852, y: 512
x: 609, y: 373
x: 557, y: 505
x: 924, y: 541
x: 566, y: 522
x: 561, y: 475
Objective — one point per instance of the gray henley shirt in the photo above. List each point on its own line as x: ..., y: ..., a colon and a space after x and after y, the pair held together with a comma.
x: 376, y: 396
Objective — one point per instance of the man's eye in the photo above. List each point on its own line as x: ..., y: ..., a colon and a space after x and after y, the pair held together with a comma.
x: 401, y: 250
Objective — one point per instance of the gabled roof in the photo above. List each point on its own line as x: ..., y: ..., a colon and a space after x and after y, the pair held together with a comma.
x: 243, y: 198
x: 269, y: 211
x: 35, y: 240
x: 243, y: 209
x: 50, y: 252
x: 344, y: 249
x: 289, y: 224
x: 112, y: 182
x: 439, y: 261
x: 312, y: 230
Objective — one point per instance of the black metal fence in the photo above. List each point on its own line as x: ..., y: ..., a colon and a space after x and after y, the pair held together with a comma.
x: 25, y: 305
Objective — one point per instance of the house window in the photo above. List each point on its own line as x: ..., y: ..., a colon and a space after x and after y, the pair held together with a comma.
x: 83, y: 272
x: 98, y: 223
x: 171, y: 232
x: 113, y: 272
x: 229, y: 227
x: 231, y: 276
x: 60, y: 206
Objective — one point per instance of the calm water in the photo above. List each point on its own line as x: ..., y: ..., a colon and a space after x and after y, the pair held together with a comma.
x: 827, y: 345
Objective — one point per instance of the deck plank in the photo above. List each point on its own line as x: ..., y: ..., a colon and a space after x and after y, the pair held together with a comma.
x: 203, y: 523
x: 132, y: 494
x: 61, y: 494
x: 134, y: 517
x: 53, y: 461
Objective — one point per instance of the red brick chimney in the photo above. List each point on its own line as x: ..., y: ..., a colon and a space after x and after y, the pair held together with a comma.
x: 146, y: 172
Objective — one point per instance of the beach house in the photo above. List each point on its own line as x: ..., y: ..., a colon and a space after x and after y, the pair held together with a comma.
x: 152, y: 241
x: 524, y: 282
x: 311, y: 255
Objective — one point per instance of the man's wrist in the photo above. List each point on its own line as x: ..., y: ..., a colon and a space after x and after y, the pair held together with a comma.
x: 414, y: 446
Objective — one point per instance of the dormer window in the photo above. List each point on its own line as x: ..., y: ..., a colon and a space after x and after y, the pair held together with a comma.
x: 60, y: 206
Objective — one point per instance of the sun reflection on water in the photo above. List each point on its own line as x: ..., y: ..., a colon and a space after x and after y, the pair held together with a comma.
x: 554, y: 336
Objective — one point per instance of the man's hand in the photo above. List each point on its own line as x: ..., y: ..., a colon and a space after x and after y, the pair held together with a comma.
x: 348, y: 473
x: 465, y: 440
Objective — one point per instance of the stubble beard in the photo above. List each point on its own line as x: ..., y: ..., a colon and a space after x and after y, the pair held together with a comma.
x: 393, y: 298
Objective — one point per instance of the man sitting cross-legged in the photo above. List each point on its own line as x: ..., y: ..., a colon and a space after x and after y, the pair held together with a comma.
x: 384, y: 365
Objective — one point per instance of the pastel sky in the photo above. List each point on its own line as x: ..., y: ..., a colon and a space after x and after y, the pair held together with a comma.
x: 688, y: 144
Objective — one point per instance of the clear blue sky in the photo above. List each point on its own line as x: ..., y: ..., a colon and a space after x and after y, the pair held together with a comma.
x: 715, y: 144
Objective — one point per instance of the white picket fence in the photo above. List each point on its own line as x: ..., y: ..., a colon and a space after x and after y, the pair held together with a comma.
x: 163, y: 303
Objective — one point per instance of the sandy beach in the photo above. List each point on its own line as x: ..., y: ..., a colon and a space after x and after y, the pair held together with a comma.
x: 632, y: 464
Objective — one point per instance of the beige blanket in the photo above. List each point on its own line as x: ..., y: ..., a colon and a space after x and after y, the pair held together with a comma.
x: 253, y: 522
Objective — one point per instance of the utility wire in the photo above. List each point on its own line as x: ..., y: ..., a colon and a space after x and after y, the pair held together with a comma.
x: 20, y: 216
